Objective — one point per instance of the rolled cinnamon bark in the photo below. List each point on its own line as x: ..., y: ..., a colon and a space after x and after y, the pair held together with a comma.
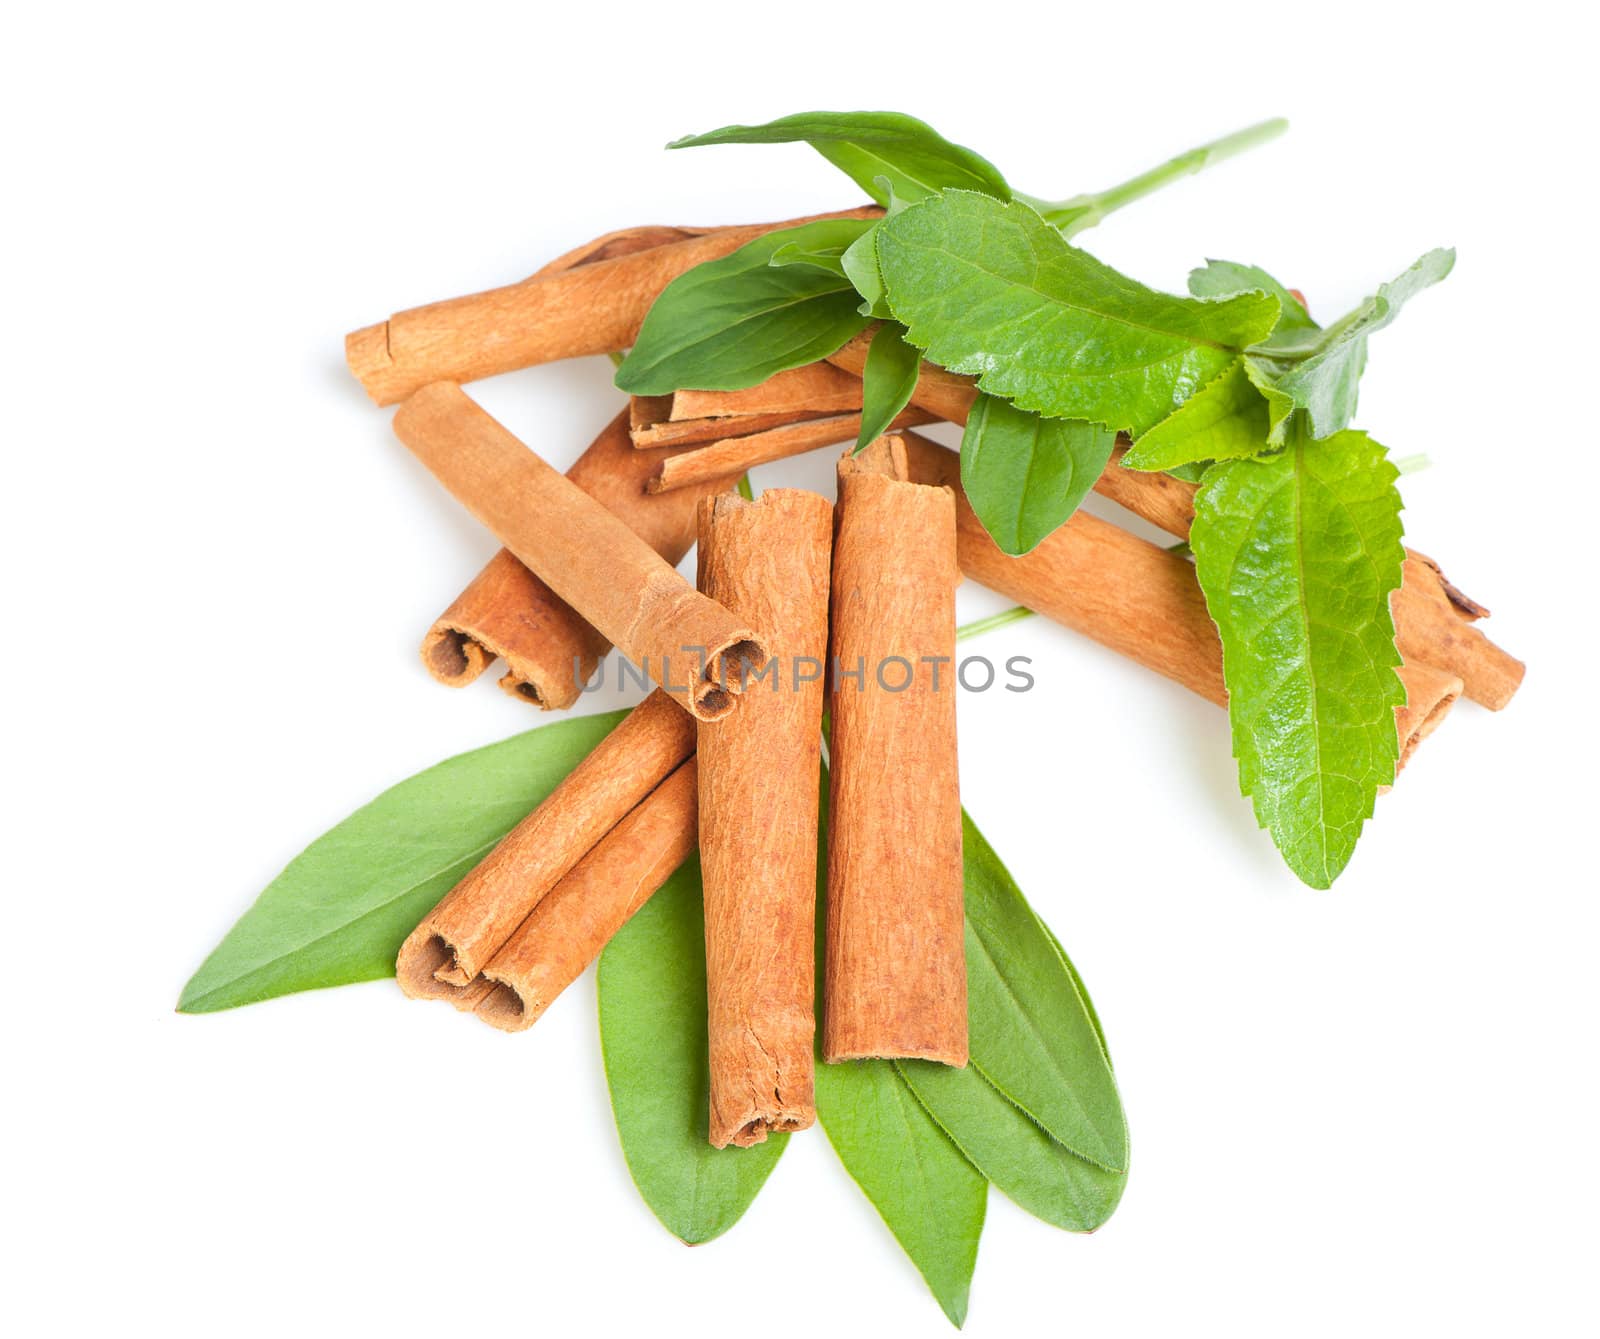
x: 649, y: 430
x: 506, y: 611
x: 443, y: 956
x: 581, y: 309
x: 895, y: 960
x: 1437, y: 630
x: 1136, y: 598
x: 588, y: 557
x: 816, y: 388
x: 732, y: 456
x: 768, y: 562
x: 577, y: 918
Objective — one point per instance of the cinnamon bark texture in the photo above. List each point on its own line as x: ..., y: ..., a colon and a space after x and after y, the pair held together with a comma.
x: 589, y: 558
x: 732, y: 456
x: 1135, y: 598
x: 1436, y: 625
x: 768, y: 562
x: 813, y: 391
x: 896, y: 982
x: 577, y: 918
x: 548, y: 648
x: 594, y: 307
x: 443, y: 956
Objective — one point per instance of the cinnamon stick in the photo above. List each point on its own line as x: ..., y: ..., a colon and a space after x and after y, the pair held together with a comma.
x: 549, y: 649
x: 442, y: 957
x: 1136, y: 598
x: 1439, y: 627
x: 580, y: 309
x: 578, y: 917
x: 895, y: 960
x: 732, y: 456
x: 813, y: 391
x: 588, y: 557
x: 768, y: 562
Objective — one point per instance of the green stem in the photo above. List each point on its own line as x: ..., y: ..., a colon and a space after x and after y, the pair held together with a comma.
x: 745, y: 491
x: 1084, y: 211
x: 981, y: 625
x: 1412, y: 464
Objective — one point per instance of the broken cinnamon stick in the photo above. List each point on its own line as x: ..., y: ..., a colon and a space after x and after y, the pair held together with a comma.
x: 580, y: 309
x: 768, y: 562
x: 1438, y: 631
x: 578, y: 917
x: 1135, y: 597
x: 549, y: 650
x: 813, y: 391
x: 895, y: 959
x: 588, y: 557
x: 443, y: 956
x: 732, y: 456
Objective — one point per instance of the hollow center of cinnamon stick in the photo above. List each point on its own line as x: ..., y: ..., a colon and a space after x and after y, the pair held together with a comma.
x: 501, y: 1006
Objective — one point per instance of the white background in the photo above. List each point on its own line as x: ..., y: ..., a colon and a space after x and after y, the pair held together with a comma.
x: 1365, y: 1111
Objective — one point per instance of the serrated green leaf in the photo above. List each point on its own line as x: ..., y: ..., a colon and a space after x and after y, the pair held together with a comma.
x: 652, y: 992
x: 1025, y: 475
x: 1297, y: 553
x: 341, y: 908
x: 1030, y: 1031
x: 994, y: 291
x: 1226, y: 419
x: 1320, y: 370
x: 928, y: 1194
x: 1009, y: 1148
x: 732, y: 323
x: 871, y: 148
x: 1225, y: 278
x: 860, y: 262
x: 889, y: 377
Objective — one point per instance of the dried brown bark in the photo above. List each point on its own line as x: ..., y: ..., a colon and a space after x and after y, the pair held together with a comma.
x: 768, y: 561
x: 896, y: 966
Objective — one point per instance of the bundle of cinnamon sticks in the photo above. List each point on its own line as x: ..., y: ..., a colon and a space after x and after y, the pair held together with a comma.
x: 800, y: 604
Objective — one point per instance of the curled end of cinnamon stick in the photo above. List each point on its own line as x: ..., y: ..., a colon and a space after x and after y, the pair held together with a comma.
x: 1435, y: 625
x: 756, y: 1126
x: 728, y: 668
x: 502, y: 1006
x: 428, y: 967
x: 1430, y: 693
x: 452, y: 655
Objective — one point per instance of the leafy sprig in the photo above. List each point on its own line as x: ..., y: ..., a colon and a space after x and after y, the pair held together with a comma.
x: 1233, y: 386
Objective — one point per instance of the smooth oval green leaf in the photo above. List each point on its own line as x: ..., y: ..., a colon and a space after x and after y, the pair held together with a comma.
x: 652, y: 989
x: 887, y: 382
x: 1227, y: 419
x: 929, y: 1195
x: 1025, y: 475
x: 341, y: 908
x: 1297, y: 553
x: 732, y: 323
x: 876, y: 150
x: 994, y: 291
x: 1009, y: 1148
x: 1031, y: 1034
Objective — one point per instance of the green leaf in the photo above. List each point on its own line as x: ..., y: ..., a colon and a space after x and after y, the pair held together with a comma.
x: 929, y: 1195
x: 871, y: 148
x: 1024, y: 474
x: 1000, y: 1140
x: 652, y: 989
x: 860, y: 262
x: 1031, y: 1033
x: 887, y: 382
x: 829, y: 259
x: 1225, y: 420
x: 341, y: 908
x: 1225, y: 278
x: 1297, y: 554
x: 732, y: 323
x: 993, y: 290
x: 1320, y: 370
